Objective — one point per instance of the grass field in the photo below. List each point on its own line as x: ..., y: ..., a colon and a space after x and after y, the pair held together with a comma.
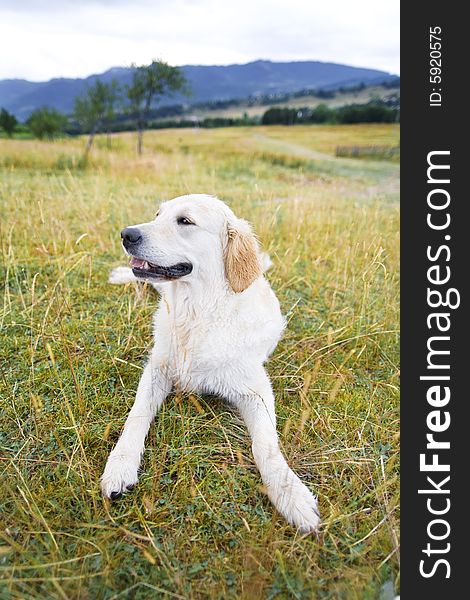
x: 198, y: 525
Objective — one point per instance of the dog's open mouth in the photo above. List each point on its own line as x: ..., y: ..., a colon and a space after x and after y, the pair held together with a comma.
x: 142, y: 268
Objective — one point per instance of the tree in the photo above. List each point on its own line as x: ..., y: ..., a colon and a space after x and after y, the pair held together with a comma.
x: 149, y: 83
x: 46, y: 123
x: 283, y: 116
x: 95, y: 109
x: 321, y: 114
x: 372, y: 112
x: 113, y: 98
x: 8, y: 122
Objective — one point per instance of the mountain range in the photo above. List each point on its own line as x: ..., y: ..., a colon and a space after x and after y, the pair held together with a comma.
x: 207, y: 83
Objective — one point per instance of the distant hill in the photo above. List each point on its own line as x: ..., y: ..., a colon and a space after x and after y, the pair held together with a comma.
x: 21, y: 97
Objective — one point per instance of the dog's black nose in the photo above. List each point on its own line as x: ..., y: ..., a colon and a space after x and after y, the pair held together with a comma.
x: 130, y: 236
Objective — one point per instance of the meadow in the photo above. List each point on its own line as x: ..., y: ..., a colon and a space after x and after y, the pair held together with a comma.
x: 198, y: 525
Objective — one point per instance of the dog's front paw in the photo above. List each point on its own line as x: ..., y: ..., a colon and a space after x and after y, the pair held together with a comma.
x: 121, y: 276
x: 304, y: 514
x: 120, y: 476
x: 299, y: 506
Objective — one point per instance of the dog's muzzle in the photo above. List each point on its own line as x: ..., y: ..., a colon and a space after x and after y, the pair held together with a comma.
x: 143, y: 268
x: 131, y: 239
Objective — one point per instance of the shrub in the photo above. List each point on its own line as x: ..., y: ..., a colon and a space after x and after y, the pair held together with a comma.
x: 46, y: 123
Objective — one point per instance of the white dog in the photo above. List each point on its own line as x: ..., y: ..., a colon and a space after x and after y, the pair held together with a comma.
x: 217, y: 323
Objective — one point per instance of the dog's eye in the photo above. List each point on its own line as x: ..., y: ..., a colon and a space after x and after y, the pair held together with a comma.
x: 184, y: 221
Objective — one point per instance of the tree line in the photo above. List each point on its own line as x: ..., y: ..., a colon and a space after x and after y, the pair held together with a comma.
x: 375, y: 111
x: 97, y: 108
x: 273, y: 98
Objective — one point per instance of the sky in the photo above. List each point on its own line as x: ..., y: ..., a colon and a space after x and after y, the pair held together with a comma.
x: 42, y: 39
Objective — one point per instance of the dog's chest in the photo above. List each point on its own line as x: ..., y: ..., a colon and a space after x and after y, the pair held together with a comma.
x: 197, y: 357
x: 201, y: 346
x: 195, y: 341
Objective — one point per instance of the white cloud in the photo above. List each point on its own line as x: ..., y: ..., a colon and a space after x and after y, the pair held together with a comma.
x: 74, y: 39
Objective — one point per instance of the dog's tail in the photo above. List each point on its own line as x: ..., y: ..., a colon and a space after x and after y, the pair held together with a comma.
x: 266, y: 262
x: 121, y: 276
x: 124, y: 275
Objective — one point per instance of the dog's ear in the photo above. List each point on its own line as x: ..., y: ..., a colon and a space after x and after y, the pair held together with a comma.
x: 241, y: 259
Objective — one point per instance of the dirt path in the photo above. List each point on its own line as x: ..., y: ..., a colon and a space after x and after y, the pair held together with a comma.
x: 383, y: 176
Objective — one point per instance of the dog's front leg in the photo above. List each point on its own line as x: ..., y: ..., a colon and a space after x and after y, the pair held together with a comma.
x: 121, y: 471
x: 285, y: 490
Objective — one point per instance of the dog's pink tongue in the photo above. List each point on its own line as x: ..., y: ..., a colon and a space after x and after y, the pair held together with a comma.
x: 138, y: 263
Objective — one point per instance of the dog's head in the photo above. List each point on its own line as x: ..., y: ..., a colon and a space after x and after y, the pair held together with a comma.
x: 194, y: 236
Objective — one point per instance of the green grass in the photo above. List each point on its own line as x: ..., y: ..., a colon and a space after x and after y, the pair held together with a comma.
x: 198, y: 525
